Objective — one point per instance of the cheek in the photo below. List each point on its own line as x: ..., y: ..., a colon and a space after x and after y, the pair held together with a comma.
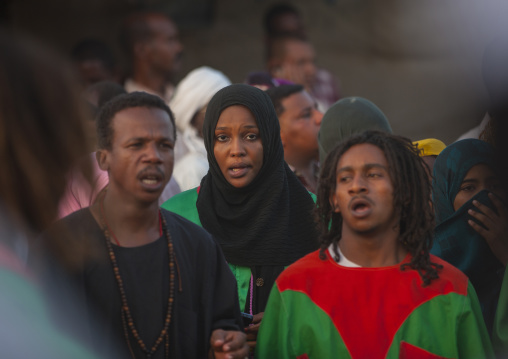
x: 460, y: 199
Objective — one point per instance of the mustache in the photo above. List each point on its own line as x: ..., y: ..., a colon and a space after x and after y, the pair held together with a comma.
x: 151, y: 170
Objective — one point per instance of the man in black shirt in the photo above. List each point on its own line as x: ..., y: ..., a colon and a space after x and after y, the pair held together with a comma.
x: 159, y: 286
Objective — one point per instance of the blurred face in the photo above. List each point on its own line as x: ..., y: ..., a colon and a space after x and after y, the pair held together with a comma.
x: 140, y: 161
x: 364, y: 191
x: 238, y: 149
x: 164, y: 49
x: 299, y: 127
x: 478, y: 178
x: 302, y: 57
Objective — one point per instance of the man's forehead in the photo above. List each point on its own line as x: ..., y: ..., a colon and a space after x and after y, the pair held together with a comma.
x: 362, y: 154
x: 142, y: 117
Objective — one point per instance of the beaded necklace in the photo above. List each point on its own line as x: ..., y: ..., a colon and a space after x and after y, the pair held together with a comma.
x: 127, y: 321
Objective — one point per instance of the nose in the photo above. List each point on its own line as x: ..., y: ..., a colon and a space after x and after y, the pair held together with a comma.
x: 153, y: 153
x: 358, y: 185
x: 237, y: 147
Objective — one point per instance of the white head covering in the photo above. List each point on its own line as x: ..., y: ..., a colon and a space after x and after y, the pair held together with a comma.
x: 194, y: 92
x: 191, y: 95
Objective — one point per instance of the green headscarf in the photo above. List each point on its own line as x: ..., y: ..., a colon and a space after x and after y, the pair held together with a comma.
x: 346, y: 117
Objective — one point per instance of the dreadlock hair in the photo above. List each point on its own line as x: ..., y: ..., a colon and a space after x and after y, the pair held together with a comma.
x: 411, y: 199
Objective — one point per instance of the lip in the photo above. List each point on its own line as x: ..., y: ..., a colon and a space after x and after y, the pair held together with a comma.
x: 360, y: 207
x: 151, y: 179
x: 238, y: 170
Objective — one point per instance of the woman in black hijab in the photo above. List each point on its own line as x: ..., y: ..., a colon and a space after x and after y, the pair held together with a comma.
x: 250, y: 200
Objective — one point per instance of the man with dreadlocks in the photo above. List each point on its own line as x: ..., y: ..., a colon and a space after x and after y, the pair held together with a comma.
x: 373, y: 290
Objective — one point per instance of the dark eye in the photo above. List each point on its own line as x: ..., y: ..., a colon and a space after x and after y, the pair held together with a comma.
x: 135, y: 145
x: 167, y: 145
x: 374, y: 175
x: 344, y: 179
x: 252, y: 136
x: 467, y: 188
x: 221, y: 138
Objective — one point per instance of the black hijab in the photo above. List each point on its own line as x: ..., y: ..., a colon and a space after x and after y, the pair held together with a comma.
x: 269, y: 221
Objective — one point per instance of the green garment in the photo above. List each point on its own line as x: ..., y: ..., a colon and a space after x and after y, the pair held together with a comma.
x: 346, y: 117
x: 184, y: 204
x: 319, y: 309
x: 500, y: 332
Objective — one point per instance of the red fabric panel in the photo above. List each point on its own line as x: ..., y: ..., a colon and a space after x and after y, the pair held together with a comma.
x: 409, y: 351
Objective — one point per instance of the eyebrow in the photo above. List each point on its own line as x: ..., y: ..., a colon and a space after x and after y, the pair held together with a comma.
x: 227, y: 128
x: 367, y: 166
x: 473, y: 180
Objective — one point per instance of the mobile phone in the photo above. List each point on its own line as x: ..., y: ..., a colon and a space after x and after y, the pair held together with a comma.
x: 247, y: 319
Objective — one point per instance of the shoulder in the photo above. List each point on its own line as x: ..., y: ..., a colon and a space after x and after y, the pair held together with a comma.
x: 187, y: 198
x: 450, y: 278
x: 185, y: 229
x: 76, y: 221
x: 184, y: 204
x: 306, y: 267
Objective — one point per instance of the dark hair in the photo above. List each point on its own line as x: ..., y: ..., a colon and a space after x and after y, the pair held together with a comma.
x: 93, y: 49
x: 122, y: 102
x: 273, y: 13
x: 277, y: 94
x: 42, y: 137
x: 411, y: 198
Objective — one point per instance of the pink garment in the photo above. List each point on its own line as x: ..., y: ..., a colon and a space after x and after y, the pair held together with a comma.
x: 80, y: 194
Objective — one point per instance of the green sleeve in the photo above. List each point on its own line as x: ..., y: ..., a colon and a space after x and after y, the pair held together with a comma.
x: 273, y: 336
x: 500, y: 332
x: 473, y: 339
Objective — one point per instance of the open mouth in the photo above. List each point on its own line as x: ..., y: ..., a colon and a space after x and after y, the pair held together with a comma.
x: 151, y: 179
x: 238, y: 170
x: 361, y: 207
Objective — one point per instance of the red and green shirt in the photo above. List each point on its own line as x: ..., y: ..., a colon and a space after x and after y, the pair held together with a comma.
x: 320, y: 309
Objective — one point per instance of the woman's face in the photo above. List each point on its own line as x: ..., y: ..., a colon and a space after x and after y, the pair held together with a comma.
x: 478, y: 178
x: 237, y: 147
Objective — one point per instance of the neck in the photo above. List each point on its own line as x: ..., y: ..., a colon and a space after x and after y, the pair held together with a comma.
x: 375, y: 250
x: 132, y: 224
x: 306, y: 170
x: 151, y: 79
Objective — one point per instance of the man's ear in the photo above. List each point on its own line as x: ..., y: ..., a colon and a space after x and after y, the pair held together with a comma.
x: 333, y: 203
x: 102, y: 157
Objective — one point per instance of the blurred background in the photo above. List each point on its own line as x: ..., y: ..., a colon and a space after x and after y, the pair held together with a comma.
x: 419, y: 61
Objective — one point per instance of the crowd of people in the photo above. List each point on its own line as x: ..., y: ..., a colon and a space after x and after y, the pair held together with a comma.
x: 143, y: 218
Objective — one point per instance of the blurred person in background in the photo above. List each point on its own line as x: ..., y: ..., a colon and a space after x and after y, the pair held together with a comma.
x: 291, y: 56
x: 151, y: 43
x: 41, y: 139
x: 189, y: 106
x: 299, y: 121
x: 94, y: 61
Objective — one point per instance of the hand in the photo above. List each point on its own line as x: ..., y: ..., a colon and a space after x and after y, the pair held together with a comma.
x: 496, y: 234
x: 229, y: 344
x: 252, y: 330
